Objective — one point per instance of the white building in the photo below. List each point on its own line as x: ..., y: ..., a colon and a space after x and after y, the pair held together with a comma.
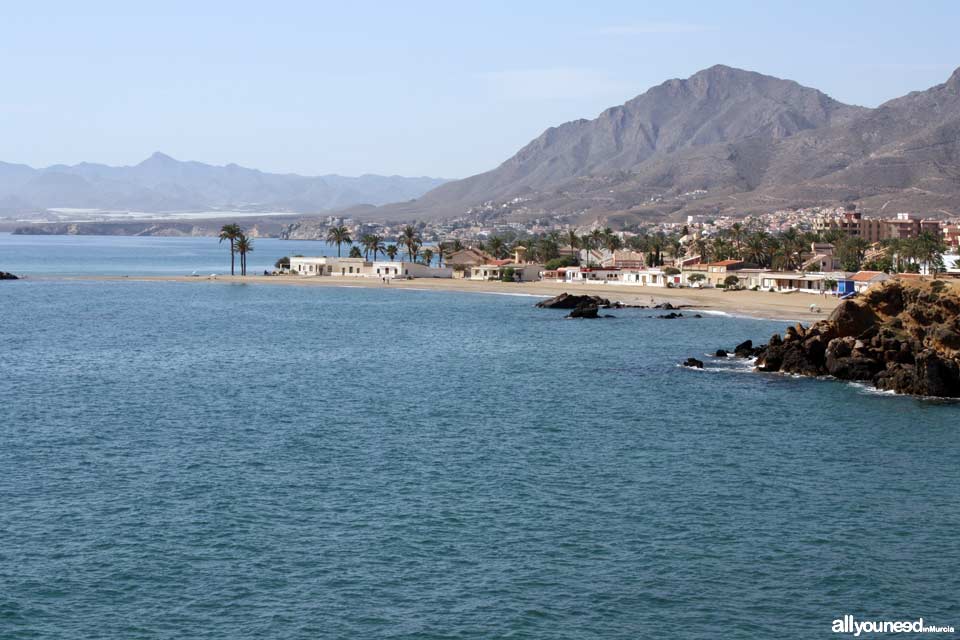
x: 360, y: 268
x: 648, y: 278
x: 327, y: 266
x: 525, y: 272
x: 591, y: 274
x: 389, y: 269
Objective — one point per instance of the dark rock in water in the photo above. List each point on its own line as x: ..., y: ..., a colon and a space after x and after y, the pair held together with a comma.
x: 901, y: 337
x: 721, y: 353
x: 7, y: 276
x: 666, y: 306
x: 585, y: 310
x: 671, y: 316
x: 569, y: 301
x: 693, y: 362
x: 744, y: 349
x: 697, y: 315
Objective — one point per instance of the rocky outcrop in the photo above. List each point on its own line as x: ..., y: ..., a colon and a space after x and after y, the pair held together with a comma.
x: 693, y: 363
x: 898, y: 336
x: 586, y: 309
x: 570, y: 301
x: 7, y: 276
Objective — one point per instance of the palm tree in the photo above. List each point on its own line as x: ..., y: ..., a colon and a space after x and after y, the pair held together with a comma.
x: 702, y: 249
x: 757, y: 248
x: 391, y: 251
x: 737, y: 233
x: 339, y: 235
x: 612, y: 241
x: 411, y: 240
x: 573, y: 241
x: 596, y: 238
x: 244, y: 246
x: 495, y: 246
x: 231, y: 232
x: 427, y: 256
x: 586, y: 244
x: 371, y: 242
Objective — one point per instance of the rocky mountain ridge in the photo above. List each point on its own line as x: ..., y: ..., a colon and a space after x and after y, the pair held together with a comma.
x: 727, y: 141
x: 162, y: 184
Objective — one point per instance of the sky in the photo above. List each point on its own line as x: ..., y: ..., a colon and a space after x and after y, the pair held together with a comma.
x: 411, y: 88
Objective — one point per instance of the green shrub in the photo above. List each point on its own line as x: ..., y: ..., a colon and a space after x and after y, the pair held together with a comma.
x: 556, y: 263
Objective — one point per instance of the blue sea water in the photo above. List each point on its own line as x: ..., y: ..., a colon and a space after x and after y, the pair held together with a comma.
x: 143, y: 255
x: 196, y: 460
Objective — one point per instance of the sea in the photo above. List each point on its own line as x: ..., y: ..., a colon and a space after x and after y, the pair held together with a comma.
x: 197, y: 460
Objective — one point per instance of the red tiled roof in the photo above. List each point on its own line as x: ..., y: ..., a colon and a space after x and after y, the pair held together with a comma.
x: 865, y: 276
x: 724, y: 263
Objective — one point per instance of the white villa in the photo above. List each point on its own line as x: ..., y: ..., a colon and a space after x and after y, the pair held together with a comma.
x: 591, y: 274
x: 360, y: 268
x: 522, y: 272
x: 648, y: 278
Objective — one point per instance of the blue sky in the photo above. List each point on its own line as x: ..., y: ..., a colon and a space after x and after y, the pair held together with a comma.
x: 413, y: 88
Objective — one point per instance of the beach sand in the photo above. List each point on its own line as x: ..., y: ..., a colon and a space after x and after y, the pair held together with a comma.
x: 760, y: 304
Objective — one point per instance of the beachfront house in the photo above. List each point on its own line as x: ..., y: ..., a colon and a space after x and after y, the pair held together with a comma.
x: 594, y: 275
x: 403, y: 269
x: 862, y: 280
x: 789, y: 281
x: 327, y: 266
x: 717, y: 272
x: 463, y: 261
x: 652, y: 277
x: 360, y: 268
x: 499, y: 269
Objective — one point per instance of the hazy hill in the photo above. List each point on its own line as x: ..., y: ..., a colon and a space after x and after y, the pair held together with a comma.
x: 160, y: 184
x: 751, y: 142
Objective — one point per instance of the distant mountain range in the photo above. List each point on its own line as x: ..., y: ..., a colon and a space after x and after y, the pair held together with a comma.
x: 162, y: 184
x: 725, y: 140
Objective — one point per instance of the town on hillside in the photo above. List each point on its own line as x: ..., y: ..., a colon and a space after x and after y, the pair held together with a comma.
x: 837, y: 251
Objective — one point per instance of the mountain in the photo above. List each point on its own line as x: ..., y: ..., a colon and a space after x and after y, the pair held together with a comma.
x: 163, y: 184
x: 728, y: 141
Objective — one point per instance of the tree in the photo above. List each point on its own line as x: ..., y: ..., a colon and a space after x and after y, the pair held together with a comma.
x: 427, y: 256
x: 756, y: 249
x: 573, y: 241
x: 696, y: 277
x: 410, y: 239
x: 496, y: 247
x: 355, y: 252
x: 731, y: 281
x: 282, y: 263
x: 371, y: 242
x: 586, y: 244
x: 596, y: 238
x: 507, y: 275
x: 737, y: 233
x: 339, y: 235
x: 231, y: 232
x: 244, y: 246
x: 830, y: 284
x: 392, y: 250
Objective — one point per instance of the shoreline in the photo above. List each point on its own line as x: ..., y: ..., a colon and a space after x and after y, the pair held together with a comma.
x: 789, y: 307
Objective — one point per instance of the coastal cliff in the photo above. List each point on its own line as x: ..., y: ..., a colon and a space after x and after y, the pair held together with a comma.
x: 902, y: 337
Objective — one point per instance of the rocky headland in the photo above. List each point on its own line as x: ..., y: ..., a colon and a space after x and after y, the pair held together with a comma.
x: 7, y: 276
x: 902, y: 337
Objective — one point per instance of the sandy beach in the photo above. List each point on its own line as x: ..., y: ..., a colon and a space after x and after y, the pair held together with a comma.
x: 760, y: 304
